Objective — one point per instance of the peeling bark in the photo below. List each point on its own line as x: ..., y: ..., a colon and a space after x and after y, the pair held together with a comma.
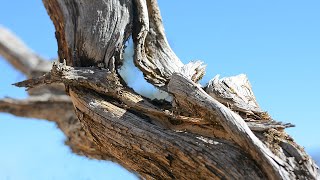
x: 218, y: 132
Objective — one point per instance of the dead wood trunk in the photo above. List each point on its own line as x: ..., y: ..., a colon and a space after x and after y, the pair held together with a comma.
x: 215, y: 132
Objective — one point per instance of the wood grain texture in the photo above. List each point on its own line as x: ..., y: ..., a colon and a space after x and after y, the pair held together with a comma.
x: 153, y: 54
x: 200, y: 135
x: 157, y: 153
x: 90, y: 33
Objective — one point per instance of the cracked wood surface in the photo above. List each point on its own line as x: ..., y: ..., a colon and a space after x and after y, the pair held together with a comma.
x: 187, y: 92
x: 195, y: 137
x: 157, y: 153
x: 153, y: 54
x: 90, y: 34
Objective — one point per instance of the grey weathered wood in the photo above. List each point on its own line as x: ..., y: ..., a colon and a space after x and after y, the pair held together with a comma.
x: 108, y: 83
x: 153, y: 54
x: 90, y: 34
x: 189, y: 94
x: 157, y: 153
x: 38, y: 107
x: 185, y: 91
x: 58, y: 109
x: 195, y: 137
x: 236, y: 92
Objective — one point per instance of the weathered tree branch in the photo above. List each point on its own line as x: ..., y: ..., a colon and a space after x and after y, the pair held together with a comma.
x: 216, y: 133
x: 90, y: 34
x: 105, y: 82
x: 153, y: 54
x: 40, y: 107
x: 153, y: 152
x: 188, y: 94
x: 25, y: 60
x: 46, y: 101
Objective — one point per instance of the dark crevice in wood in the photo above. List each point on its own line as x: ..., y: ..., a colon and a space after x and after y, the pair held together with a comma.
x: 201, y: 135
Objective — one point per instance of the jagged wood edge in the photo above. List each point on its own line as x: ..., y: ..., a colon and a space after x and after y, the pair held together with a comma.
x: 189, y: 94
x: 26, y: 61
x: 75, y: 59
x: 46, y: 101
x: 106, y: 82
x: 158, y: 153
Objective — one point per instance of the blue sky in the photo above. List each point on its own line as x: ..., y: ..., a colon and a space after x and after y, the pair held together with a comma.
x: 276, y: 43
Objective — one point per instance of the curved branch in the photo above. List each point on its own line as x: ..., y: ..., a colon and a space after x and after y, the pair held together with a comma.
x: 153, y: 54
x: 117, y: 123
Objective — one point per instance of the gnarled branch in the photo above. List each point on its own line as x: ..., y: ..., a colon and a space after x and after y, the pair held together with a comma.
x: 198, y: 136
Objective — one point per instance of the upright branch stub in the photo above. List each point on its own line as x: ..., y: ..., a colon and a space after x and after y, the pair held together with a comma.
x: 91, y: 33
x: 234, y: 91
x: 153, y: 54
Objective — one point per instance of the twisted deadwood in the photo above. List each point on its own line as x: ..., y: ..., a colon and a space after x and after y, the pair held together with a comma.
x: 195, y: 137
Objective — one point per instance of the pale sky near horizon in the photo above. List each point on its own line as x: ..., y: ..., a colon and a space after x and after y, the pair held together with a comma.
x: 276, y: 43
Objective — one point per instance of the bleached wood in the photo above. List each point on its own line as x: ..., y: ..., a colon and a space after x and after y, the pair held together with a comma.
x: 153, y: 54
x: 188, y: 93
x: 235, y: 91
x: 195, y: 137
x: 91, y: 34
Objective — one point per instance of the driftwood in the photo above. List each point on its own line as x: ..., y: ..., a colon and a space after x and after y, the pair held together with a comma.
x: 212, y: 132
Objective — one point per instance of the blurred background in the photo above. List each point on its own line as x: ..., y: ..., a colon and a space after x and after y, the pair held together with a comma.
x: 276, y: 43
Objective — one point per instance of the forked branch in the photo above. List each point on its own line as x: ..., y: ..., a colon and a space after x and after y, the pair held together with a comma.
x: 201, y: 134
